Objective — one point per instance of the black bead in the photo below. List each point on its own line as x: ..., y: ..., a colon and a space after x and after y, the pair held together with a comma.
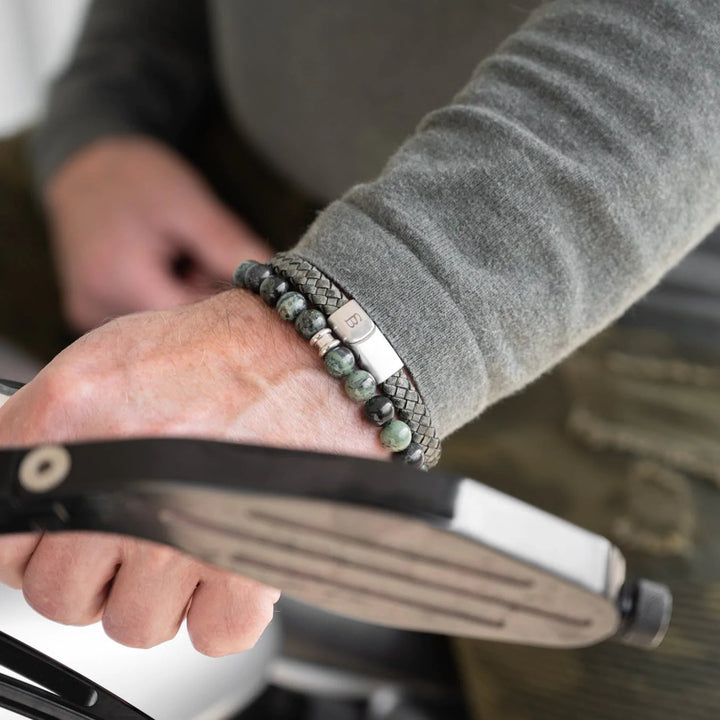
x: 308, y: 322
x: 255, y: 275
x: 238, y: 278
x: 379, y: 410
x: 412, y: 455
x: 271, y: 288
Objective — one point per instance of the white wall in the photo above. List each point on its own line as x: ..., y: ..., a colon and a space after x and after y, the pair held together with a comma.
x: 35, y: 39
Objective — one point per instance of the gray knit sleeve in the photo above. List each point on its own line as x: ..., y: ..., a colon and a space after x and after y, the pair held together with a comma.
x: 579, y: 164
x: 141, y: 66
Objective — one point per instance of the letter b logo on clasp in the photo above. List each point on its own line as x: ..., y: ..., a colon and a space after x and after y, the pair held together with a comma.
x: 354, y: 320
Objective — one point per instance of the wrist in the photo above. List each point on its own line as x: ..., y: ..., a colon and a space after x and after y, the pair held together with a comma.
x: 399, y: 409
x: 285, y: 396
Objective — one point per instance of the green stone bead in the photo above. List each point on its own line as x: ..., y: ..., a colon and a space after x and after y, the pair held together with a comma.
x: 360, y: 385
x: 290, y: 305
x: 339, y: 361
x: 273, y: 288
x: 238, y: 278
x: 396, y: 435
x: 254, y: 276
x: 308, y: 322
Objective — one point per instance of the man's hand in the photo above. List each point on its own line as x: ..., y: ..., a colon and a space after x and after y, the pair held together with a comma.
x: 136, y: 228
x: 224, y: 369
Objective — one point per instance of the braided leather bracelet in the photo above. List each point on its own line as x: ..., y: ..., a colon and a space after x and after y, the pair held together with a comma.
x: 329, y: 298
x: 376, y: 354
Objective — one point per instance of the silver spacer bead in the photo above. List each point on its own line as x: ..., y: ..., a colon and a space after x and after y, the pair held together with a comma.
x: 324, y: 340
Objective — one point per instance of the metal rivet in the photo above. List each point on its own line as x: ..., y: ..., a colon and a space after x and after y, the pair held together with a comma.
x: 44, y: 468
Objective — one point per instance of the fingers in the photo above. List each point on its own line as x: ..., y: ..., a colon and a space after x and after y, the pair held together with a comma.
x: 157, y: 288
x: 68, y: 577
x: 15, y: 553
x: 141, y: 591
x: 224, y: 251
x: 229, y: 613
x: 139, y: 278
x: 150, y: 595
x: 220, y: 241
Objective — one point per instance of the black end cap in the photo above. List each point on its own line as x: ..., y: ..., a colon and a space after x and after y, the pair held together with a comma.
x: 645, y: 608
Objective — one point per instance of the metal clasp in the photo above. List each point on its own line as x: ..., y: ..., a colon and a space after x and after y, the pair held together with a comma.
x: 353, y: 326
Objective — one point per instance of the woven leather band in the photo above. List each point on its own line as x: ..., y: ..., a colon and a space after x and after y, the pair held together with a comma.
x: 326, y: 296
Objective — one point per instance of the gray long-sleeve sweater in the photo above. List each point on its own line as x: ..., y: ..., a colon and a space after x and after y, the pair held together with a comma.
x: 544, y: 191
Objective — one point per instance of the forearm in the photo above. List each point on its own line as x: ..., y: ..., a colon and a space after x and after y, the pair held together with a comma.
x: 141, y: 66
x: 578, y: 165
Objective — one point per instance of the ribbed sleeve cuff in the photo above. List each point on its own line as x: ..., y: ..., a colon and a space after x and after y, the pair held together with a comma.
x: 408, y: 304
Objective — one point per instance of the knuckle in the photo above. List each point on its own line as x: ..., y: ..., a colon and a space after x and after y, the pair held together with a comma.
x: 66, y: 393
x: 63, y: 580
x: 60, y: 387
x: 237, y: 629
x: 208, y: 646
x: 15, y: 551
x: 158, y: 558
x: 49, y: 600
x: 133, y: 631
x: 11, y: 580
x: 45, y: 599
x: 218, y: 645
x: 153, y: 560
x: 243, y: 636
x: 55, y: 387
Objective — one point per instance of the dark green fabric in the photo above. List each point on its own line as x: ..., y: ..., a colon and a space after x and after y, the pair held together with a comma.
x: 623, y: 439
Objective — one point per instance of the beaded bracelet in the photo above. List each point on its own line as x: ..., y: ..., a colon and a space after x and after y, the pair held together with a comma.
x: 399, y: 387
x: 292, y: 305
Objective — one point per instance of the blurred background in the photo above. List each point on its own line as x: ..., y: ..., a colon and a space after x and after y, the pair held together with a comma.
x: 35, y: 40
